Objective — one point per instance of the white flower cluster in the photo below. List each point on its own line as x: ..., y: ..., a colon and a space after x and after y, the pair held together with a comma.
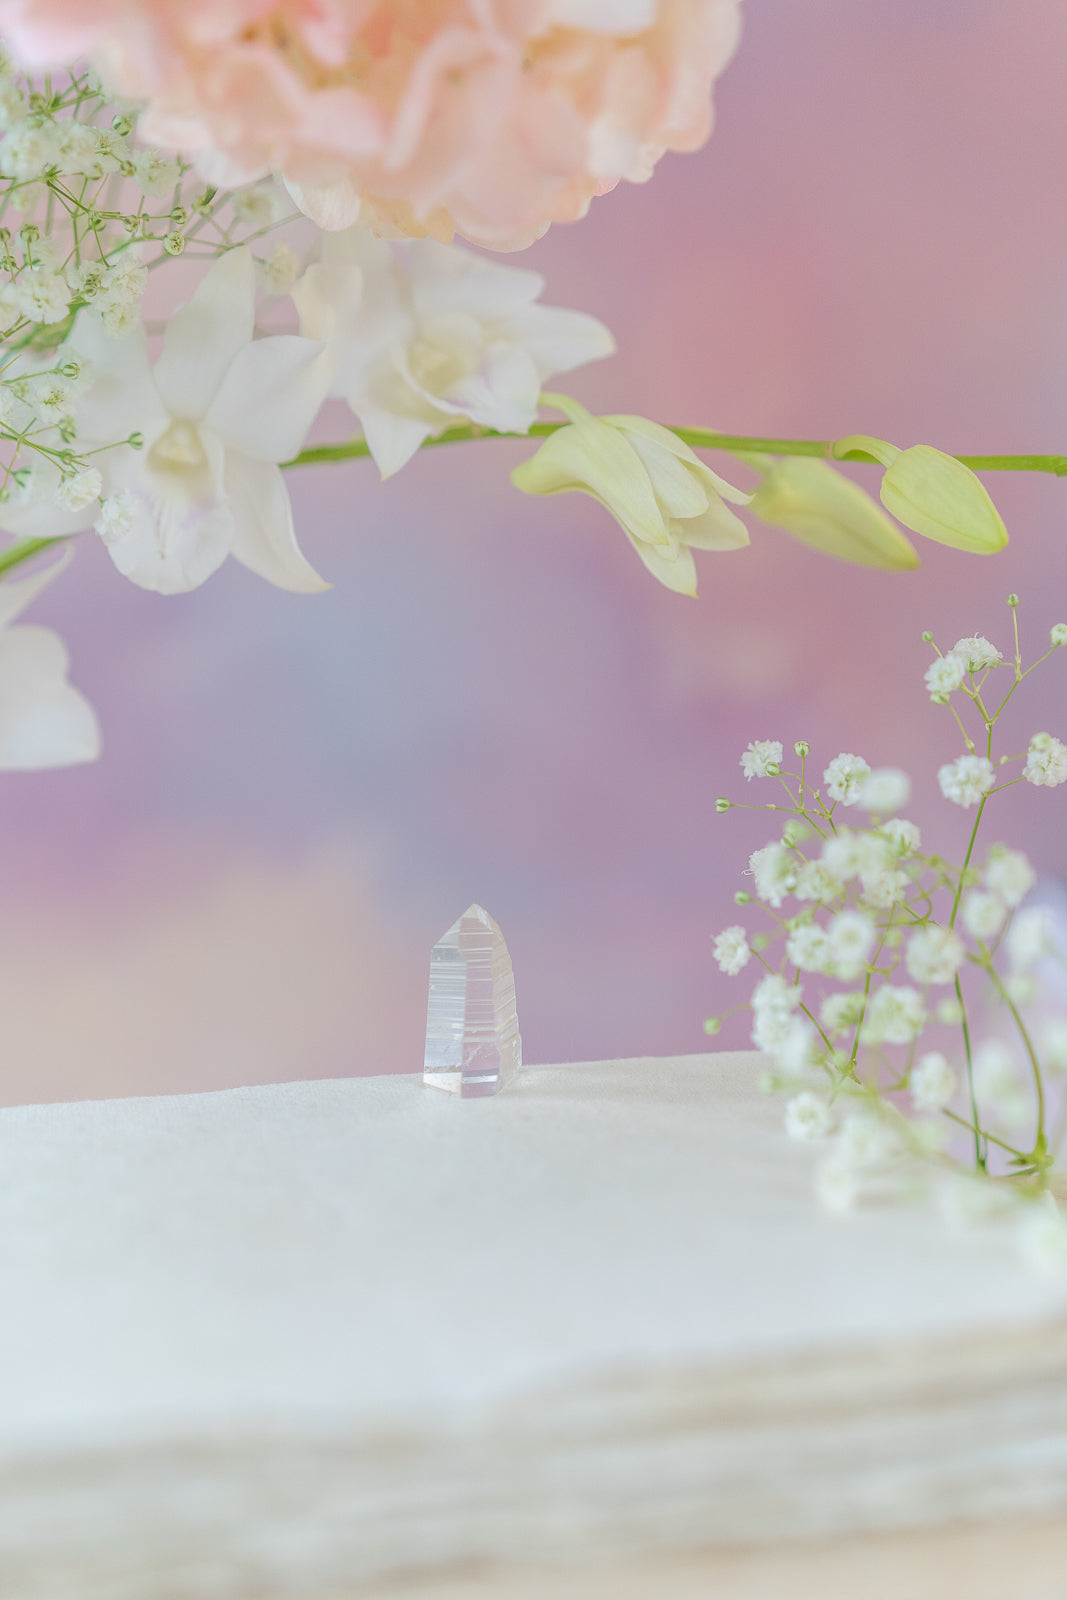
x: 172, y: 448
x: 872, y: 943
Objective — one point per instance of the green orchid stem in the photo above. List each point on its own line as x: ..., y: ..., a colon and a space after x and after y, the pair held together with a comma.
x: 696, y: 438
x: 16, y: 554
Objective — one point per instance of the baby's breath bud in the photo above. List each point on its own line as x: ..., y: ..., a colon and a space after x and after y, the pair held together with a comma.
x: 71, y: 370
x: 30, y: 232
x: 789, y: 838
x: 127, y: 169
x: 742, y: 898
x: 136, y: 441
x: 802, y: 748
x: 179, y: 216
x: 712, y: 1024
x: 722, y: 805
x: 1013, y: 600
x: 928, y: 637
x: 893, y: 938
x: 759, y: 942
x: 95, y: 221
x: 122, y: 125
x: 1058, y: 634
x: 174, y: 244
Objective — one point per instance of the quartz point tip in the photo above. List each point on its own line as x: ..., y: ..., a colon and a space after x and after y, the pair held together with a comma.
x: 472, y: 1030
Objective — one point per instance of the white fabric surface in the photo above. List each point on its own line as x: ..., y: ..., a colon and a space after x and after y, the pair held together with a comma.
x: 321, y: 1332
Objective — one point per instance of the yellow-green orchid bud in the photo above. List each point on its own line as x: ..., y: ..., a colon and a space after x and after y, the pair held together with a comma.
x: 818, y: 506
x: 665, y: 499
x: 933, y: 494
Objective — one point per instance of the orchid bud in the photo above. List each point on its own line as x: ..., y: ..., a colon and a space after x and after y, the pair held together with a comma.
x: 933, y: 494
x: 821, y: 508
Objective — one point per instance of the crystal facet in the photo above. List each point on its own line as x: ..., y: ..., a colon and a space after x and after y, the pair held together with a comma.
x: 472, y: 1031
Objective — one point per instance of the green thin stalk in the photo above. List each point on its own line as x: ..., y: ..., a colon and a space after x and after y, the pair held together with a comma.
x: 696, y: 438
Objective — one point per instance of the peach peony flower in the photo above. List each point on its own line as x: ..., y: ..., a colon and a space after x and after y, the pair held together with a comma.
x: 493, y: 118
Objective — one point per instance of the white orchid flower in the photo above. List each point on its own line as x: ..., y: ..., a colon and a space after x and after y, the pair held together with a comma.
x: 44, y: 721
x: 218, y: 411
x: 426, y: 335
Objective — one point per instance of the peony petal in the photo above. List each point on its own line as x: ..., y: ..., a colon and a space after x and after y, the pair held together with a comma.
x: 270, y: 396
x: 332, y: 207
x: 263, y: 537
x: 44, y: 721
x: 206, y: 335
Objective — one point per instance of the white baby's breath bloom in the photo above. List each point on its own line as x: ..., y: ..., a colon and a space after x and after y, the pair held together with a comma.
x: 1042, y: 1239
x: 117, y: 516
x: 280, y: 270
x: 852, y: 936
x: 838, y: 1186
x: 1008, y: 873
x: 775, y: 871
x: 996, y: 1080
x: 13, y: 106
x: 976, y: 653
x: 866, y: 1141
x: 1057, y: 635
x: 934, y: 955
x: 965, y: 780
x: 79, y: 490
x: 1046, y: 761
x: 840, y: 1012
x: 815, y: 881
x: 932, y: 1082
x: 983, y: 913
x: 761, y: 756
x: 904, y: 836
x: 793, y: 1050
x: 1031, y: 938
x: 1054, y: 1044
x: 157, y: 173
x: 731, y: 950
x: 885, y: 789
x: 884, y: 888
x: 808, y: 947
x: 257, y: 205
x: 43, y: 296
x: 808, y: 1116
x: 29, y: 150
x: 944, y: 675
x: 845, y: 777
x: 894, y: 1016
x: 773, y: 1003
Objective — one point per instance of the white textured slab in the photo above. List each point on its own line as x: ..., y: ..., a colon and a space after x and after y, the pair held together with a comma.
x: 361, y: 1252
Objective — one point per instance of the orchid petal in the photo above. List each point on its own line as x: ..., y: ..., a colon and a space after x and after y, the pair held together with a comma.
x: 121, y: 397
x: 206, y: 335
x: 674, y: 572
x: 173, y: 546
x: 559, y: 340
x: 670, y: 442
x: 44, y: 720
x: 269, y: 397
x: 391, y: 438
x: 18, y: 593
x: 263, y: 535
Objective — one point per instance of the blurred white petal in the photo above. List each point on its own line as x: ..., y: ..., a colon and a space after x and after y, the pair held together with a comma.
x: 44, y: 720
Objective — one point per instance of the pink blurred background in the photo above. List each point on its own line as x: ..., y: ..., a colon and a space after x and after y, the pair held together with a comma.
x: 495, y: 701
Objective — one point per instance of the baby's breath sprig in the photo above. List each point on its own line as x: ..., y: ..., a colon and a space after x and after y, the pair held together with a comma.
x: 919, y: 947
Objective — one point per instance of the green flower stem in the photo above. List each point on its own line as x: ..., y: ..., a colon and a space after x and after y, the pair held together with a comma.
x: 696, y: 438
x: 980, y: 1156
x: 967, y: 861
x: 15, y: 554
x: 1040, y: 1151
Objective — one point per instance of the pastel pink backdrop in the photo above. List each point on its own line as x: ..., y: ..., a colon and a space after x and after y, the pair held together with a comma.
x: 495, y: 701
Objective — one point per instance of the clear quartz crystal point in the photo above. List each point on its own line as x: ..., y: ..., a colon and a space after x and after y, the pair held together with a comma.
x: 472, y: 1031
